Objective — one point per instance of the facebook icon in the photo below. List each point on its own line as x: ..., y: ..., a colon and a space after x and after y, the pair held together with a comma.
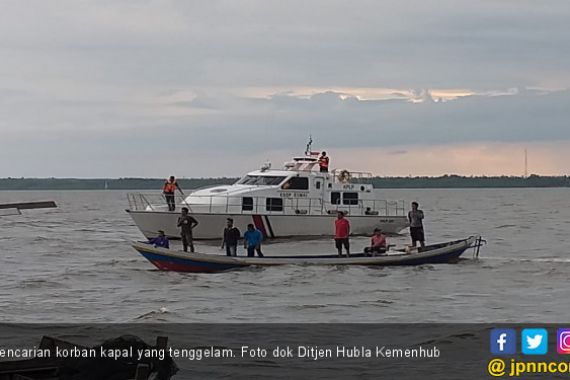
x: 503, y: 342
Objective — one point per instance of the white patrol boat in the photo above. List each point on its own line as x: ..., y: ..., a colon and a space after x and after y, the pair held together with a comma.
x: 296, y: 201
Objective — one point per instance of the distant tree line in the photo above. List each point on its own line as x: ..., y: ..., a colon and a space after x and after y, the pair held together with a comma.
x: 456, y: 181
x: 446, y: 181
x: 103, y: 184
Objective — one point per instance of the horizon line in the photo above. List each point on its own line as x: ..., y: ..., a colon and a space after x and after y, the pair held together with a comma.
x: 533, y: 175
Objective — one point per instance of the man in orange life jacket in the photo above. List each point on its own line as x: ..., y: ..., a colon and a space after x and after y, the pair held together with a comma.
x: 168, y: 190
x: 324, y: 162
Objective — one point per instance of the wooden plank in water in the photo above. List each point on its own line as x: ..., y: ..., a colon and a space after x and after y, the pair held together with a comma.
x: 29, y: 205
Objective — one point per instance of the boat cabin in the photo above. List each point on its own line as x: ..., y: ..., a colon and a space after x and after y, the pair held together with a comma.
x: 299, y: 188
x: 297, y: 199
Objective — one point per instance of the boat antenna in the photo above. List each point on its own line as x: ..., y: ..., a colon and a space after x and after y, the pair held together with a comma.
x: 309, y: 144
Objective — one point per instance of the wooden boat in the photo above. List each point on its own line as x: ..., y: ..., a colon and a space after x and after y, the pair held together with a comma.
x: 172, y: 260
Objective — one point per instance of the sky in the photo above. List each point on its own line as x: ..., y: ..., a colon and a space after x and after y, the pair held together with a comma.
x: 150, y: 88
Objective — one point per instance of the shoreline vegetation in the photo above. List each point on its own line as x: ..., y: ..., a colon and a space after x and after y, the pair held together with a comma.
x: 445, y: 181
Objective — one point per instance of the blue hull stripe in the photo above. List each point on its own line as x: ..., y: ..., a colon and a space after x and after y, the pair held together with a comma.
x: 217, y: 267
x: 176, y: 260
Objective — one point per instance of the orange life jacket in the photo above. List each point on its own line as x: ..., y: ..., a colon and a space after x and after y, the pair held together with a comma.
x: 169, y: 187
x: 324, y: 162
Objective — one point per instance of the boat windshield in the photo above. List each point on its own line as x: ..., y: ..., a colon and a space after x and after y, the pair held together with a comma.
x: 260, y: 180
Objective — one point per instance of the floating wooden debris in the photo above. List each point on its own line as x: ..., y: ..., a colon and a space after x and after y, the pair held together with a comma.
x: 28, y: 205
x: 15, y: 208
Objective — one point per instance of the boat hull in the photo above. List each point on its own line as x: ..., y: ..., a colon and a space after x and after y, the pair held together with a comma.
x: 273, y: 226
x: 171, y: 260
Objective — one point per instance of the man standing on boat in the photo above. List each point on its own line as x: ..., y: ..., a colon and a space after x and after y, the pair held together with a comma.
x: 324, y: 163
x: 186, y: 224
x: 169, y: 188
x: 252, y: 241
x: 415, y: 217
x: 231, y: 238
x: 342, y: 232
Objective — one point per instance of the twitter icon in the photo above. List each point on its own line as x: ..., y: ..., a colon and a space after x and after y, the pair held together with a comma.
x: 534, y: 341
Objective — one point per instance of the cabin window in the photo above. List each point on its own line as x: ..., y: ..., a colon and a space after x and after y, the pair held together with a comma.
x: 318, y: 185
x: 350, y: 198
x: 247, y: 204
x: 274, y: 204
x: 335, y: 198
x: 296, y: 183
x: 261, y: 180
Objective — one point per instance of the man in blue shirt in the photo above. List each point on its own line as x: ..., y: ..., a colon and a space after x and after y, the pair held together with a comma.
x: 252, y: 241
x: 161, y: 241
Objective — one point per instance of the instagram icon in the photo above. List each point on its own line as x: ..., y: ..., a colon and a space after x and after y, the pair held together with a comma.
x: 563, y: 341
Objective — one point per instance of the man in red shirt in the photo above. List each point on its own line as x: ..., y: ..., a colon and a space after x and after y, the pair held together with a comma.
x: 342, y: 232
x: 378, y: 243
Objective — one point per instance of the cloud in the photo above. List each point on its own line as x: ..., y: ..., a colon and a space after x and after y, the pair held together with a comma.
x: 137, y: 81
x: 491, y: 159
x: 422, y: 44
x: 242, y: 128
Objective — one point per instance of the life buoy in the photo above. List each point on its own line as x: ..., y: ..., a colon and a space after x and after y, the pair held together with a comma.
x: 344, y: 176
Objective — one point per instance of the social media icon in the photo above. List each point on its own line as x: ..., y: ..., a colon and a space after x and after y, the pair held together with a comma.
x: 503, y: 342
x: 563, y: 341
x: 534, y: 341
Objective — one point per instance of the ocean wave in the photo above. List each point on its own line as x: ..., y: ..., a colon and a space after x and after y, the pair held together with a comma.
x: 506, y: 226
x: 384, y: 303
x: 155, y: 315
x: 39, y: 283
x: 528, y: 259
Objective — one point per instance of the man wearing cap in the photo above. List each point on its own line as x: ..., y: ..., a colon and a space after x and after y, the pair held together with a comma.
x: 161, y: 241
x: 231, y: 238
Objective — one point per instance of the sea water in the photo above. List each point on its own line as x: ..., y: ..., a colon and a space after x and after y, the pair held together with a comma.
x: 75, y: 264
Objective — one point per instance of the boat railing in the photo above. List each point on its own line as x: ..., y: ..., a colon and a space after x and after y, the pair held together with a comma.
x: 152, y: 201
x: 236, y: 205
x: 140, y: 202
x: 338, y: 175
x: 349, y: 176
